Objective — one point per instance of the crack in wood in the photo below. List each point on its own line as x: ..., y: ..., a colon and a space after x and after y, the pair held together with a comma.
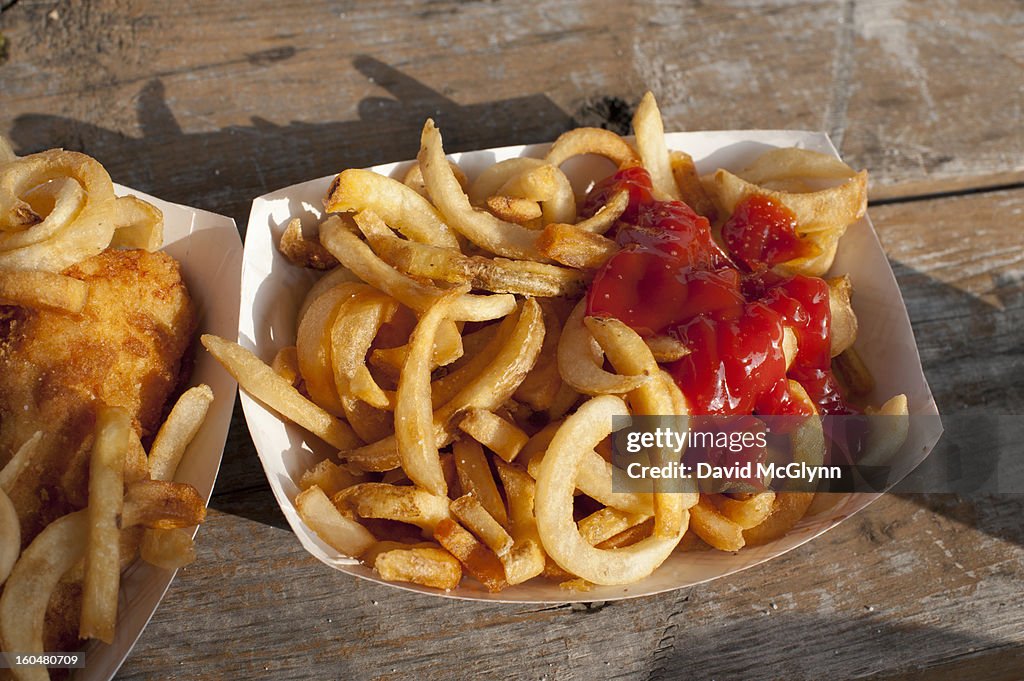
x: 234, y: 492
x: 842, y: 75
x: 953, y: 193
x: 548, y: 608
x: 666, y: 644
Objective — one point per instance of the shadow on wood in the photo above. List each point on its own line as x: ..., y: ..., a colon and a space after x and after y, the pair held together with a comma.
x: 973, y: 355
x: 224, y: 170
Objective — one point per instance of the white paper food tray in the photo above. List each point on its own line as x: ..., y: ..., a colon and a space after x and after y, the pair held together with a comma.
x: 272, y: 291
x: 210, y: 252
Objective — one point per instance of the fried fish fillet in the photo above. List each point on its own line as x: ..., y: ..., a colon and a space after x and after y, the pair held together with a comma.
x: 56, y: 369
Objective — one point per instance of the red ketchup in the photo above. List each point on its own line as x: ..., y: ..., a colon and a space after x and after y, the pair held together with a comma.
x: 761, y: 233
x: 670, y: 277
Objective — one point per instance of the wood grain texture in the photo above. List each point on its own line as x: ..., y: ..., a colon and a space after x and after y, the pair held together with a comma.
x: 911, y: 583
x: 213, y: 103
x: 225, y: 101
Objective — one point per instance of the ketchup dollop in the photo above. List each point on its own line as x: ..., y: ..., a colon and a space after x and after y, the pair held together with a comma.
x: 728, y: 307
x: 761, y: 233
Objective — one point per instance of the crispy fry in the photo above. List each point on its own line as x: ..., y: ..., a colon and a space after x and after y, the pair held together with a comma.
x: 405, y: 504
x: 10, y: 472
x: 503, y: 375
x: 352, y: 332
x: 581, y: 360
x: 43, y: 290
x: 34, y: 577
x: 64, y: 199
x: 794, y: 163
x: 261, y: 382
x: 575, y: 246
x: 606, y: 523
x: 338, y: 531
x: 356, y: 191
x: 520, y: 490
x: 329, y: 477
x: 158, y: 504
x: 535, y: 447
x: 10, y: 536
x: 853, y: 372
x: 368, y: 422
x: 808, y: 439
x: 629, y: 536
x: 502, y: 238
x: 843, y: 328
x: 826, y: 209
x: 627, y: 352
x: 498, y: 435
x: 106, y: 497
x: 315, y: 348
x: 491, y: 274
x: 414, y: 422
x: 286, y: 364
x: 488, y: 389
x: 650, y: 142
x: 596, y: 478
x: 666, y: 349
x: 822, y: 216
x: 414, y: 179
x: 448, y: 347
x: 361, y: 260
x: 890, y: 424
x: 364, y: 388
x: 524, y: 561
x: 747, y: 512
x: 555, y: 483
x: 789, y: 345
x: 476, y: 558
x: 139, y: 224
x: 423, y: 565
x: 605, y: 218
x: 717, y: 530
x: 339, y: 275
x: 591, y: 141
x: 475, y: 478
x: 304, y: 252
x: 462, y: 372
x: 178, y: 430
x: 691, y: 191
x: 475, y: 517
x: 168, y: 549
x: 541, y: 386
x: 547, y: 185
x: 491, y: 180
x: 787, y: 509
x: 514, y: 209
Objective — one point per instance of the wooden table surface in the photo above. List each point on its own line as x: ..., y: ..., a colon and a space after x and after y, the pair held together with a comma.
x: 213, y: 103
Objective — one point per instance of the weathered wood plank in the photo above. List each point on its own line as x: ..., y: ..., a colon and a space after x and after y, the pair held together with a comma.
x: 960, y: 265
x: 227, y: 101
x: 910, y: 582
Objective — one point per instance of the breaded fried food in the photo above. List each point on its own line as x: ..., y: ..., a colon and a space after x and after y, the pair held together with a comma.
x: 125, y: 349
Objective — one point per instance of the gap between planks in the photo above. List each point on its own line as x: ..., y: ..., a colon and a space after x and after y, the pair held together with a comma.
x: 929, y: 190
